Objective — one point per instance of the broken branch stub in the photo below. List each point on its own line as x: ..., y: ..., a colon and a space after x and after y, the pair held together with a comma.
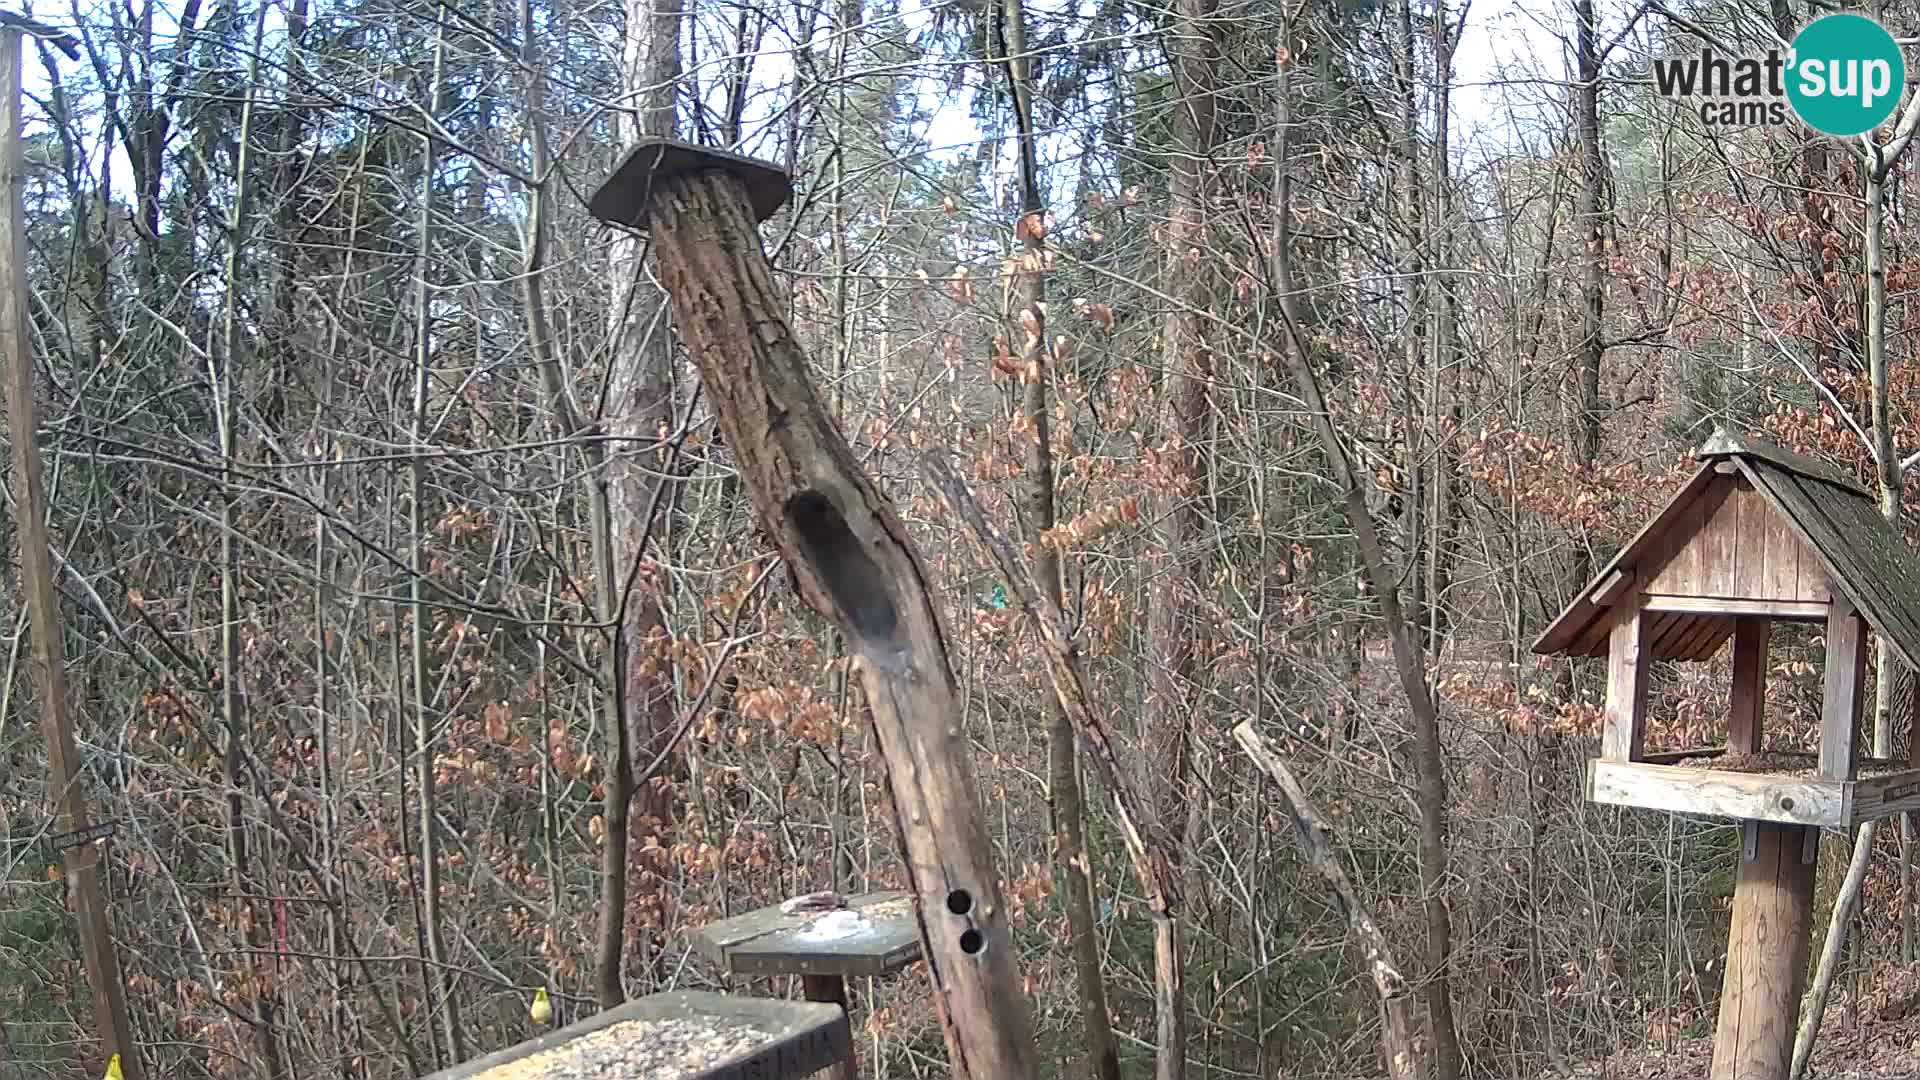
x: 852, y: 561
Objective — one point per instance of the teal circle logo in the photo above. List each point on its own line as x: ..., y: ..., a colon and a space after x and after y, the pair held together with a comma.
x: 1845, y: 75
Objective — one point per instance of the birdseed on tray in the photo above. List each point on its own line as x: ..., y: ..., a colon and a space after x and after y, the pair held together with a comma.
x: 636, y: 1050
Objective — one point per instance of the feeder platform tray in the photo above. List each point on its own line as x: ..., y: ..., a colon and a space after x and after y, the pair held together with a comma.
x: 678, y: 1035
x: 874, y: 934
x: 1770, y: 786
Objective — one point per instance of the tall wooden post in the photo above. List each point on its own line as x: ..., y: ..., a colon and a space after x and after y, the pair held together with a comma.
x: 1766, y: 954
x: 36, y: 579
x: 850, y: 558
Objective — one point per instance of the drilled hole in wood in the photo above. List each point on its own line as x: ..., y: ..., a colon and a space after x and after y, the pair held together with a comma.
x: 959, y: 901
x: 847, y: 572
x: 972, y: 942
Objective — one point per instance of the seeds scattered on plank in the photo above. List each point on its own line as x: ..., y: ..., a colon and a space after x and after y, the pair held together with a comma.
x: 636, y: 1050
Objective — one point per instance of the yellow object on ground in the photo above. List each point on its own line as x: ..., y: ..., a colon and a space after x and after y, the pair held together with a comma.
x: 113, y: 1069
x: 542, y: 1012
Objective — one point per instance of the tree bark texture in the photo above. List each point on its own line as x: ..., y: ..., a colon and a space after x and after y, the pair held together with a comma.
x: 1168, y: 719
x: 852, y: 560
x: 638, y: 495
x: 42, y: 600
x: 1593, y: 265
x: 1766, y: 957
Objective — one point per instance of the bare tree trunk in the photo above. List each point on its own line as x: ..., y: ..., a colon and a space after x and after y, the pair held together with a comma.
x: 1443, y: 408
x: 423, y: 720
x: 1411, y: 500
x: 324, y: 719
x: 636, y: 485
x: 1593, y: 265
x: 1168, y: 719
x: 1036, y: 503
x: 233, y: 708
x: 1429, y: 760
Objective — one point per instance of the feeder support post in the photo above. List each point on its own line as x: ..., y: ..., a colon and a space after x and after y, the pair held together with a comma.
x: 1767, y: 947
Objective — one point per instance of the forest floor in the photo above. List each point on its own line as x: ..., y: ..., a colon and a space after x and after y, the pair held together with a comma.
x: 1873, y: 1038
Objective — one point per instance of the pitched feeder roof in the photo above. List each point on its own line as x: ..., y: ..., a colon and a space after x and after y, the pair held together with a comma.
x: 1865, y: 558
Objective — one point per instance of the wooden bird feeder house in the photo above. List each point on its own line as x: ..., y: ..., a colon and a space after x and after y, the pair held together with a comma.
x: 1758, y: 535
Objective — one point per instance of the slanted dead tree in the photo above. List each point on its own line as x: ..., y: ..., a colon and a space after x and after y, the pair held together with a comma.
x: 849, y: 557
x: 1427, y: 755
x: 81, y: 863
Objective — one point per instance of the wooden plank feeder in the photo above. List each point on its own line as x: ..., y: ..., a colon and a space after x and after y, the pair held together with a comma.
x: 678, y: 1035
x: 1758, y: 535
x: 850, y: 558
x: 823, y: 942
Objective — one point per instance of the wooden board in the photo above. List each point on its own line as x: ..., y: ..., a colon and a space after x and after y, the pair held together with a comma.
x: 1744, y: 551
x: 791, y: 1039
x: 1884, y: 796
x: 1791, y: 567
x: 624, y: 198
x: 885, y: 939
x: 1751, y: 514
x: 1783, y: 610
x: 1720, y: 793
x: 1720, y: 542
x: 1660, y: 782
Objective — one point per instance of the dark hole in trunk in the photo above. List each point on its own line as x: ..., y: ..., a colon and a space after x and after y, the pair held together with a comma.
x: 846, y: 570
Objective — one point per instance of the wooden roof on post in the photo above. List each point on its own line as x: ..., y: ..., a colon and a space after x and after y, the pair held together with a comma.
x: 1834, y: 516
